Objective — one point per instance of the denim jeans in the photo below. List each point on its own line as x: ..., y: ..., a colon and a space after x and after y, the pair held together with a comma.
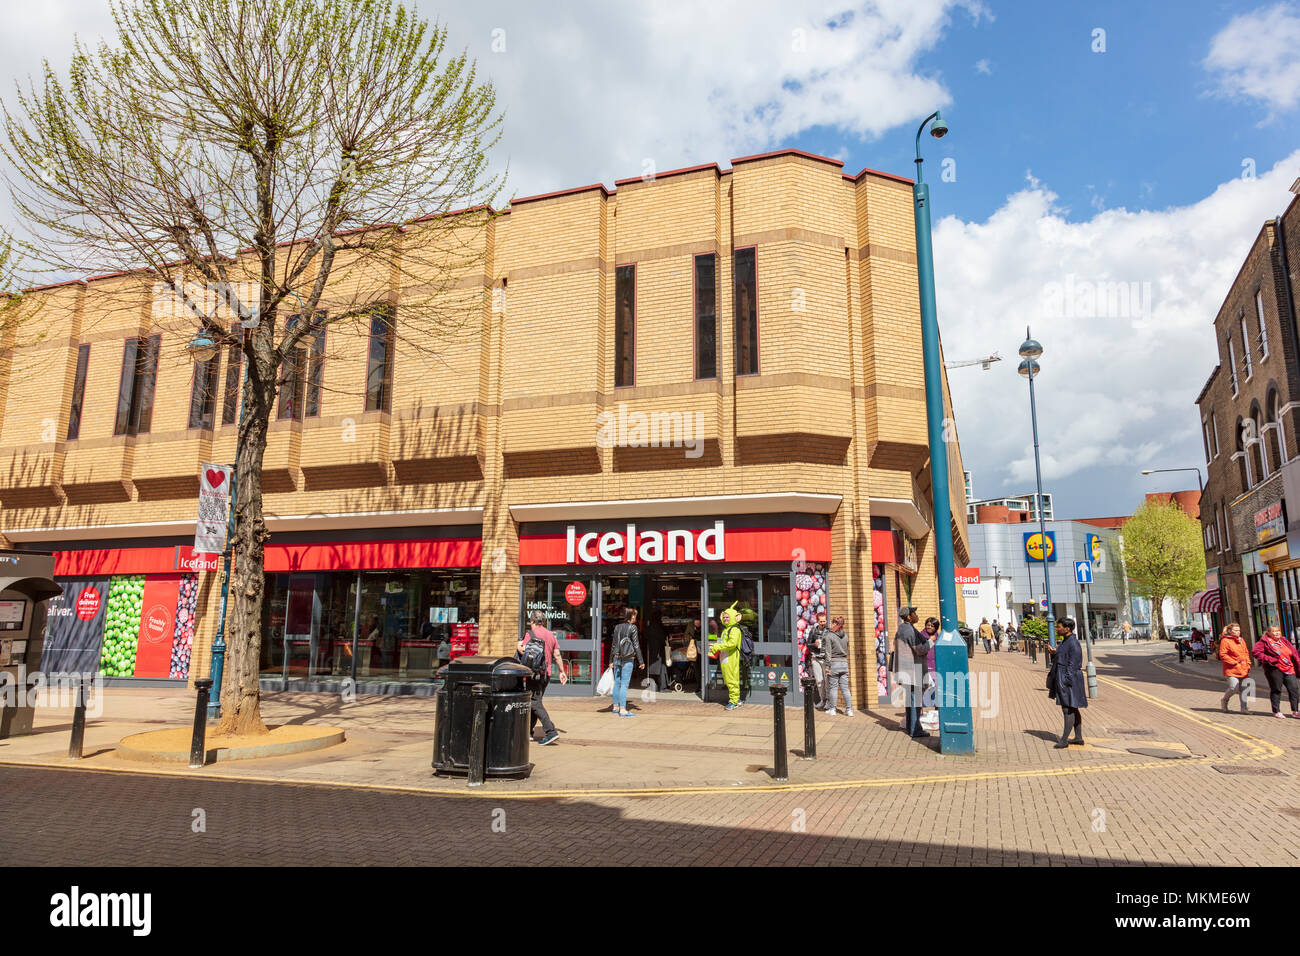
x: 622, y: 678
x: 837, y: 682
x: 1238, y: 686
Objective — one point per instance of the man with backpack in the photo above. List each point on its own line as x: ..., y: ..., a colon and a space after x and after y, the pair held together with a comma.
x: 537, y: 651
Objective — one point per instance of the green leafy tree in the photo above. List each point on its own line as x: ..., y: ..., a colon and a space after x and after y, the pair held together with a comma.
x: 295, y: 156
x: 1034, y: 627
x: 1164, y: 555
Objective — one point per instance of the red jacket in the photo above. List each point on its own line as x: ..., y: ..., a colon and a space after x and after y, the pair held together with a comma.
x: 1276, y: 652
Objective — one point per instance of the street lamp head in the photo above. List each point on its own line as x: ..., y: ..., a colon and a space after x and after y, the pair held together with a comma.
x: 1148, y: 471
x: 1025, y: 367
x: 1031, y: 349
x: 202, y: 347
x: 939, y: 129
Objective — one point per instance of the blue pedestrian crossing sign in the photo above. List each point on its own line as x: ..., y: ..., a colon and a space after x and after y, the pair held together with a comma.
x: 1083, y: 572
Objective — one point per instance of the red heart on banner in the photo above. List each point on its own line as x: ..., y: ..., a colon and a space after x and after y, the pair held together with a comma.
x: 215, y: 478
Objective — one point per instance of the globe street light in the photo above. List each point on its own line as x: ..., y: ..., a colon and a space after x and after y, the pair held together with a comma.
x: 956, y: 732
x: 1030, y: 351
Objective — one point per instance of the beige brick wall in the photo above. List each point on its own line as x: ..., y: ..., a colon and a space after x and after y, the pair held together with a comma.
x: 520, y: 363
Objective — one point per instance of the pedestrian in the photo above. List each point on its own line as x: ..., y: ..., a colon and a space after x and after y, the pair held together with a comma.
x: 997, y: 634
x: 910, y: 650
x: 1065, y: 682
x: 816, y: 645
x: 1123, y: 633
x: 1281, y: 667
x: 1235, y: 657
x: 986, y: 635
x: 929, y: 698
x: 537, y: 684
x: 1013, y: 636
x: 625, y: 651
x: 727, y: 651
x: 837, y: 667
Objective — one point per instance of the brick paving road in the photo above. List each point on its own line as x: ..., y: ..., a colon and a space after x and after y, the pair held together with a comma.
x: 1018, y: 802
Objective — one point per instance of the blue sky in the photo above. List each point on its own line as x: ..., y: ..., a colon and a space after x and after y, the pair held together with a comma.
x: 1072, y: 166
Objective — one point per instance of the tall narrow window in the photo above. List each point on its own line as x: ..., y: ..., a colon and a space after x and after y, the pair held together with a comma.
x: 625, y: 326
x: 78, y: 392
x: 1205, y: 437
x: 1245, y: 350
x: 1214, y: 433
x: 1232, y: 362
x: 203, y: 392
x: 315, y: 375
x: 379, y: 368
x: 1263, y: 332
x: 706, y: 316
x: 745, y: 298
x: 135, y: 391
x: 234, y: 368
x: 300, y: 375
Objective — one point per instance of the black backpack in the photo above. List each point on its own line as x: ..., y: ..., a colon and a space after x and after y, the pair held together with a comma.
x: 626, y: 644
x: 746, y: 643
x: 533, y: 656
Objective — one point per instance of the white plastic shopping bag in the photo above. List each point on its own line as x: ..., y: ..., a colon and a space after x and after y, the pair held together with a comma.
x: 606, y: 683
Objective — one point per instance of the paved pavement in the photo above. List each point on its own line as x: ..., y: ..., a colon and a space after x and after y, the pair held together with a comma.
x: 1166, y: 778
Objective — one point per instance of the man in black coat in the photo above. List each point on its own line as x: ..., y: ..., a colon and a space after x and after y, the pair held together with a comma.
x: 1066, y: 685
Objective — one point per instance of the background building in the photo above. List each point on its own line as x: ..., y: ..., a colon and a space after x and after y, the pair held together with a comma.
x: 638, y: 409
x: 1249, y: 432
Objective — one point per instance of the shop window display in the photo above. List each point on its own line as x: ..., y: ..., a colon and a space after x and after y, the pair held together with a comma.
x: 881, y: 630
x: 810, y: 600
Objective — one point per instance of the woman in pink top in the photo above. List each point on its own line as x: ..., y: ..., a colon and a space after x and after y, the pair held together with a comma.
x: 1281, y: 665
x: 931, y: 668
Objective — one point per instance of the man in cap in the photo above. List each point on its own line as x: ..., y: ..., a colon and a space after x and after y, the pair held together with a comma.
x: 910, y: 649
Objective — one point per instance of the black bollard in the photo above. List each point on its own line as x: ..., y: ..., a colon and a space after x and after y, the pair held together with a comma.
x: 782, y: 768
x: 198, y: 746
x: 809, y: 727
x: 78, y: 720
x: 478, y: 735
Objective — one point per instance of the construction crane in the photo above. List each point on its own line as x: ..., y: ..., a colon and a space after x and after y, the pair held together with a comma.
x: 983, y: 363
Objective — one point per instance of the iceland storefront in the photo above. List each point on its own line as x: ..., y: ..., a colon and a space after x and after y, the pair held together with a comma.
x: 679, y: 574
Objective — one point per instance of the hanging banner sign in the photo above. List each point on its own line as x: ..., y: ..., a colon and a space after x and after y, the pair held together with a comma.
x: 214, y: 508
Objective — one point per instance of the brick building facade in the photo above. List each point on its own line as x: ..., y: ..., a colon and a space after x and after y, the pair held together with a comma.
x: 764, y: 316
x: 1251, y: 436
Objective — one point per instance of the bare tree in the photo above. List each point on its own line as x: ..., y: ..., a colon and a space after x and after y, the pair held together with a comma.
x: 324, y: 159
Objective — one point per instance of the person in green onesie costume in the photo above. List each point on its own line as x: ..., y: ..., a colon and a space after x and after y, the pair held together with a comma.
x: 727, y: 651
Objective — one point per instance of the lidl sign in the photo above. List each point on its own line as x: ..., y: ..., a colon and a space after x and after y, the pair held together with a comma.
x: 1034, y: 549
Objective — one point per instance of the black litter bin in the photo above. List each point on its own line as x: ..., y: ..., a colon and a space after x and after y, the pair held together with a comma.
x: 509, y: 707
x: 969, y: 636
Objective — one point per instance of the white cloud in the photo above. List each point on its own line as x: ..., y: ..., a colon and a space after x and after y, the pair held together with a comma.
x: 1256, y: 57
x: 983, y: 67
x: 1116, y: 389
x: 595, y: 91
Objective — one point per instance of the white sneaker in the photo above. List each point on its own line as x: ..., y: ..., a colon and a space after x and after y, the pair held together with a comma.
x: 831, y: 711
x: 848, y: 713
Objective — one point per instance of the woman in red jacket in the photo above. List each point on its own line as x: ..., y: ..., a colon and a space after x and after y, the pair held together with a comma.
x: 1281, y: 665
x: 1235, y: 656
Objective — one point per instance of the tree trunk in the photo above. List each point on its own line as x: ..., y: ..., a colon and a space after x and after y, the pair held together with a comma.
x: 1158, y: 617
x: 241, y: 711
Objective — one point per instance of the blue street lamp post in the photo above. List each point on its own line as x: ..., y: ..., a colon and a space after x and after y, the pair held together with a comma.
x: 956, y: 733
x: 1030, y: 352
x: 202, y: 349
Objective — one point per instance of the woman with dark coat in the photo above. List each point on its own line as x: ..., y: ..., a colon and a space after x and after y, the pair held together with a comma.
x: 1067, y: 687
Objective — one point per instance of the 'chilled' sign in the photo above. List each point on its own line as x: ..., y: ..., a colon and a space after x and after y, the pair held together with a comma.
x: 645, y: 547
